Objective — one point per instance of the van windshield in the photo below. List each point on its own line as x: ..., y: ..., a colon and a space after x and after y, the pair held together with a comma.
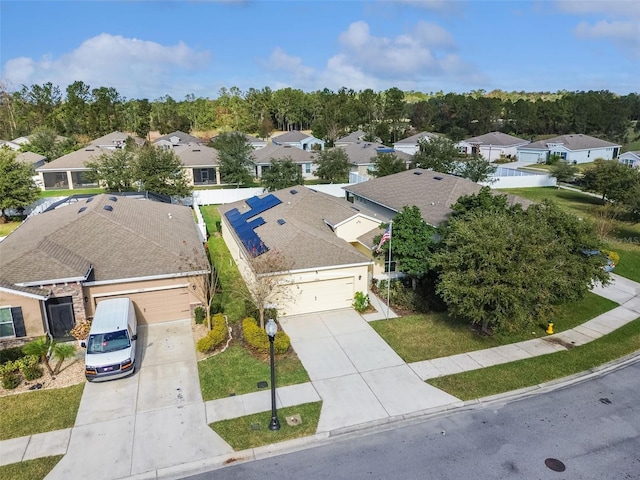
x: 108, y: 342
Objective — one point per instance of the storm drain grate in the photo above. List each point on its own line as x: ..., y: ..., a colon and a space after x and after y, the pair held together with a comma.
x: 555, y: 464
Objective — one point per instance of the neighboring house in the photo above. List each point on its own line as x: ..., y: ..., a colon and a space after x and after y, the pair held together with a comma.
x: 10, y: 145
x: 316, y: 232
x: 200, y: 162
x: 492, y: 146
x: 632, y: 159
x: 58, y: 265
x: 69, y: 171
x: 255, y: 143
x: 411, y: 145
x: 363, y: 155
x: 299, y: 140
x: 175, y: 139
x: 115, y: 140
x: 34, y: 159
x: 573, y: 148
x: 354, y: 137
x: 264, y: 156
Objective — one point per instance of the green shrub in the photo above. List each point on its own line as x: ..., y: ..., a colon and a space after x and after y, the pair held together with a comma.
x: 10, y: 354
x: 360, y: 302
x: 9, y: 375
x: 259, y: 340
x: 200, y: 314
x: 29, y: 367
x: 215, y: 337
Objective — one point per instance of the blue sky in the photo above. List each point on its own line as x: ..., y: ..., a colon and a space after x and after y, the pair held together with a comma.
x: 146, y: 49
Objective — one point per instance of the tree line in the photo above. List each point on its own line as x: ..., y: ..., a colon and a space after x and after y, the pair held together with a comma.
x: 388, y: 115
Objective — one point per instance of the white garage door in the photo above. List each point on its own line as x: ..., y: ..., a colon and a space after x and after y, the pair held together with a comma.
x: 321, y: 295
x: 159, y: 305
x: 528, y: 157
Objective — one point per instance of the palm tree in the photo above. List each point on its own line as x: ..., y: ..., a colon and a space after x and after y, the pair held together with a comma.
x: 62, y: 352
x: 40, y: 347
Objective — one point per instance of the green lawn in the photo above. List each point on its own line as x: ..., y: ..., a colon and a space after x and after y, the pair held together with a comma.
x: 237, y: 371
x: 39, y: 411
x: 7, y: 228
x: 68, y: 193
x: 30, y: 469
x: 424, y: 337
x: 252, y: 431
x: 533, y: 371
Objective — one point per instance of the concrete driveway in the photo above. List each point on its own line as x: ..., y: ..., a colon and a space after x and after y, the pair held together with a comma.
x: 355, y: 372
x: 152, y: 419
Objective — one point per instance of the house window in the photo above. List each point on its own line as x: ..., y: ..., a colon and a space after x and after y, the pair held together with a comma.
x: 588, y: 153
x: 6, y: 323
x: 393, y: 266
x: 307, y: 168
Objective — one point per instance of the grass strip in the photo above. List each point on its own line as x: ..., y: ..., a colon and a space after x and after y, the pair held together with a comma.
x: 35, y: 469
x: 39, y: 411
x: 425, y: 337
x: 536, y: 370
x: 237, y: 371
x: 252, y: 431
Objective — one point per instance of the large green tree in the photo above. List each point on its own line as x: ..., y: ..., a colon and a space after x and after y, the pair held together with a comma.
x: 411, y: 243
x: 507, y: 270
x: 16, y: 183
x: 235, y: 154
x: 333, y: 165
x: 438, y: 154
x: 115, y: 169
x: 387, y: 164
x: 563, y: 171
x: 611, y: 179
x: 282, y: 173
x: 160, y: 170
x: 476, y: 169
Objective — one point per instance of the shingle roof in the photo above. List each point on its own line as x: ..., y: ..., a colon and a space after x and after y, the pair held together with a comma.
x: 353, y: 137
x: 137, y: 238
x: 365, y: 153
x: 305, y: 237
x: 417, y: 187
x: 571, y: 142
x: 115, y: 138
x: 290, y: 137
x: 75, y: 160
x: 414, y: 139
x: 197, y: 155
x: 30, y: 157
x: 271, y: 152
x: 183, y: 137
x: 497, y: 139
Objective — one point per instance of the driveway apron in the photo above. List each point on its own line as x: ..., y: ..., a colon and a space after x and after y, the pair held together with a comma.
x: 356, y: 373
x: 152, y: 419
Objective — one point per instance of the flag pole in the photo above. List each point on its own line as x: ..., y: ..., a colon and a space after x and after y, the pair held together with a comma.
x: 389, y: 276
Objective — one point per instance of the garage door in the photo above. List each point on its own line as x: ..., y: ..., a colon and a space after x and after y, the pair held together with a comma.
x: 528, y: 157
x: 321, y: 295
x: 158, y: 305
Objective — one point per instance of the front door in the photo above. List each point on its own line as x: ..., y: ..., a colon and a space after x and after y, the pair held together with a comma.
x: 61, y: 318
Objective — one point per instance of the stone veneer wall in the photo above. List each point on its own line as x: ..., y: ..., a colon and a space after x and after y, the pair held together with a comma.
x: 73, y: 290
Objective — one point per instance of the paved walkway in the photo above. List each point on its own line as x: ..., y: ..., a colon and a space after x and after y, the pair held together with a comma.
x: 360, y: 380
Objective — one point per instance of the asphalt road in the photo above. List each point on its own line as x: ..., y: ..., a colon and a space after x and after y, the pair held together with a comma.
x: 592, y: 428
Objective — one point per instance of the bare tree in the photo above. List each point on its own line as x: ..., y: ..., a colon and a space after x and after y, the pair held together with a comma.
x: 266, y: 281
x: 606, y: 217
x: 205, y: 285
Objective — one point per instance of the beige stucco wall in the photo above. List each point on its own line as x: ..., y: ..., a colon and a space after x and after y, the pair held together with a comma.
x: 351, y: 229
x: 31, y: 312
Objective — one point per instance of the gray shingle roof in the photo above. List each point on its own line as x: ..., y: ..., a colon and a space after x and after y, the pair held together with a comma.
x: 305, y: 238
x: 138, y: 238
x: 290, y: 137
x: 571, y: 142
x: 75, y: 160
x: 30, y: 157
x: 497, y: 139
x: 115, y: 138
x: 197, y: 155
x: 182, y: 137
x: 271, y: 152
x: 413, y: 139
x: 417, y: 187
x: 353, y: 137
x: 365, y: 153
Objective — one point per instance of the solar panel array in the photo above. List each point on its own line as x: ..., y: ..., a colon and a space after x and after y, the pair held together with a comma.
x: 245, y: 228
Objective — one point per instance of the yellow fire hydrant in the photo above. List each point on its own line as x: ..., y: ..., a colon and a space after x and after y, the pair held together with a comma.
x: 550, y: 328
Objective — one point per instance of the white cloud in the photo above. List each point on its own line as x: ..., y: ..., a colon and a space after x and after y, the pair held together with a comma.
x: 133, y: 67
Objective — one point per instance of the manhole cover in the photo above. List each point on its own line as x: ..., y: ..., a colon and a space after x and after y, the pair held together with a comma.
x: 555, y: 464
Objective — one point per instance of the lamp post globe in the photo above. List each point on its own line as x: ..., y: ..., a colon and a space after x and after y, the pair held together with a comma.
x: 271, y: 329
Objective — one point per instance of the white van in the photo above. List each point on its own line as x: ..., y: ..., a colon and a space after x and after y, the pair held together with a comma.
x: 111, y: 346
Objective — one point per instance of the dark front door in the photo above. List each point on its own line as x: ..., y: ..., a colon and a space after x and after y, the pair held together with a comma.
x: 61, y: 318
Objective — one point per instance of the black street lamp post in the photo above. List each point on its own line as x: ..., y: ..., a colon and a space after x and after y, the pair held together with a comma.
x: 272, y: 328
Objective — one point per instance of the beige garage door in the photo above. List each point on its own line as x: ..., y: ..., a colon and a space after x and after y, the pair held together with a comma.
x: 322, y: 295
x: 159, y: 305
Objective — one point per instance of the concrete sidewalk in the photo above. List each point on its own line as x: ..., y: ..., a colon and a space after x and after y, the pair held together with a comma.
x: 361, y: 381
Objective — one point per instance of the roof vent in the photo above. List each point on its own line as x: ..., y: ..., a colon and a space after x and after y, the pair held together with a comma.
x: 82, y: 209
x: 437, y: 178
x: 293, y: 192
x: 90, y: 199
x: 417, y: 173
x: 113, y: 199
x: 281, y: 221
x: 195, y: 150
x: 88, y: 149
x: 108, y: 208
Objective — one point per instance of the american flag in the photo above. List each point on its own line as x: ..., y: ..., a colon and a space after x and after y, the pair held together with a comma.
x: 385, y: 236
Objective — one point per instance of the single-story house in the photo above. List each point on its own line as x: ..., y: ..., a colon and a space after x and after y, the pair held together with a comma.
x: 632, y: 159
x: 176, y: 138
x: 353, y: 137
x: 58, y: 265
x: 317, y: 233
x: 411, y: 145
x: 114, y: 140
x: 491, y: 146
x: 264, y: 156
x: 363, y: 155
x: 300, y: 140
x: 31, y: 158
x: 256, y: 143
x: 201, y: 164
x: 573, y: 148
x: 69, y: 171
